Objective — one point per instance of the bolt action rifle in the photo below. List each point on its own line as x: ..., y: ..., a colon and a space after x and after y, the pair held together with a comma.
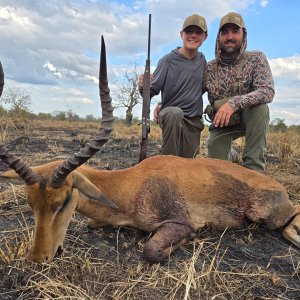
x: 146, y: 102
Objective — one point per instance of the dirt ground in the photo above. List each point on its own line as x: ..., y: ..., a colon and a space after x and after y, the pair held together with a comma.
x: 106, y: 263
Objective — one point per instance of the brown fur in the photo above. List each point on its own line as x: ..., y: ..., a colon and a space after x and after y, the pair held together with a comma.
x: 168, y: 195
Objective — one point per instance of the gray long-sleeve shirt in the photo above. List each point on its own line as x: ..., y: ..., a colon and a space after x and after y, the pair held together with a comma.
x: 179, y: 80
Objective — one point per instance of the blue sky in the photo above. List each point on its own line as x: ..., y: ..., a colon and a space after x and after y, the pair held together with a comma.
x: 51, y: 48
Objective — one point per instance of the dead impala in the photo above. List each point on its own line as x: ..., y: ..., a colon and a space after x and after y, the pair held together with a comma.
x: 167, y: 195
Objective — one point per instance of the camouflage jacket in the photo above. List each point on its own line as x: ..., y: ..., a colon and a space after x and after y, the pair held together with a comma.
x: 254, y: 86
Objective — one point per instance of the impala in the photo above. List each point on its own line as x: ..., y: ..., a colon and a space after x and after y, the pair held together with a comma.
x: 167, y: 195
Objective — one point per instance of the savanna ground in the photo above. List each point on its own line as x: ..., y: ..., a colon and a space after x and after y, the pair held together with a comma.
x: 251, y: 263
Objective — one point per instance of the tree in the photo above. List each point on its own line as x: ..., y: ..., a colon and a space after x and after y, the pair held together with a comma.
x: 44, y: 116
x: 3, y: 111
x: 71, y: 116
x: 127, y: 92
x: 278, y: 125
x: 90, y: 118
x: 18, y: 100
x: 59, y: 115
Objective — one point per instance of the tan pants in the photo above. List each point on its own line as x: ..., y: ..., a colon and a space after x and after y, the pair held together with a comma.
x: 181, y: 135
x: 254, y: 126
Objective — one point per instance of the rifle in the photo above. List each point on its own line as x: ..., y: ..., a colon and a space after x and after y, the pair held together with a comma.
x: 146, y: 102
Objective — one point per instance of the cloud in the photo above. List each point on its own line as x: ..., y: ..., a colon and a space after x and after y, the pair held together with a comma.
x: 36, y: 32
x: 52, y: 47
x: 286, y: 103
x: 52, y: 69
x: 287, y: 67
x: 67, y: 34
x: 69, y: 96
x: 264, y: 3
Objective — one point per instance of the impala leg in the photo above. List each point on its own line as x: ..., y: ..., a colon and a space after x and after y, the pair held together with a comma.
x: 168, y: 238
x: 94, y: 224
x: 292, y: 231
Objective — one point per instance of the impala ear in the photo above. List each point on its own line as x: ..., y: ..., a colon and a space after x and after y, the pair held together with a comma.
x: 87, y: 188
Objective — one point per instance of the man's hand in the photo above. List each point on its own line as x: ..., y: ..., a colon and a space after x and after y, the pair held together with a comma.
x: 141, y: 80
x: 155, y: 112
x: 223, y: 115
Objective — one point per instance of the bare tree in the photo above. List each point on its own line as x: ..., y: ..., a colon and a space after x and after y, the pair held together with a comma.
x: 127, y: 92
x: 18, y: 100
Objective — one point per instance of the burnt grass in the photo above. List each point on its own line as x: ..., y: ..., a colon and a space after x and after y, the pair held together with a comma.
x: 107, y: 263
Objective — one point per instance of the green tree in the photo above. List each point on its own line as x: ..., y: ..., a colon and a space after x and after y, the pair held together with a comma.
x: 59, y: 115
x: 71, y: 116
x: 2, y: 111
x: 44, y: 116
x: 90, y: 118
x: 278, y: 125
x: 18, y: 100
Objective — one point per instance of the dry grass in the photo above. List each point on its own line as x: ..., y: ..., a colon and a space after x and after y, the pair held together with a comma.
x: 286, y: 148
x: 107, y: 263
x: 121, y: 131
x: 202, y: 270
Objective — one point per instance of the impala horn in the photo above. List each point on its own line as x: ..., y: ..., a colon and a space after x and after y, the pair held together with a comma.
x: 25, y: 172
x: 77, y: 159
x: 16, y: 163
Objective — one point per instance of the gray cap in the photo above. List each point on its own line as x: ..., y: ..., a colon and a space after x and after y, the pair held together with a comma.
x: 232, y: 18
x: 195, y: 20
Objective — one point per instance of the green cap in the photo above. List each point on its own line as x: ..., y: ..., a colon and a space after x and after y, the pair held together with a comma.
x: 195, y: 20
x: 233, y: 18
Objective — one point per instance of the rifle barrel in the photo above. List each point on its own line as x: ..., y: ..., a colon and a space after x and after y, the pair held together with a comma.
x: 149, y: 38
x: 146, y: 101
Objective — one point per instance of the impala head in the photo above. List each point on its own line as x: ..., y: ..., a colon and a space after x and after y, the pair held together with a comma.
x: 52, y: 189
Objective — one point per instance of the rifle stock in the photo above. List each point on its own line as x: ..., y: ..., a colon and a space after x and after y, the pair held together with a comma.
x: 146, y: 102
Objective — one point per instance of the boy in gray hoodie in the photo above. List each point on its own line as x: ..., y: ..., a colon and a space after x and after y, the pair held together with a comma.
x: 178, y: 77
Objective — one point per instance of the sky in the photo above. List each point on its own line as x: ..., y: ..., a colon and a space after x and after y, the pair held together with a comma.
x: 51, y: 48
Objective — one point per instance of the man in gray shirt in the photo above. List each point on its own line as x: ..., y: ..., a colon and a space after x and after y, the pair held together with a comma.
x: 178, y: 77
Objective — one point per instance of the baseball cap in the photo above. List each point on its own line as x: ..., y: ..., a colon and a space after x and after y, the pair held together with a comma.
x: 233, y: 18
x: 195, y: 20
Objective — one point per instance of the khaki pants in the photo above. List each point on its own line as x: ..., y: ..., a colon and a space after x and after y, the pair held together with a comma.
x: 180, y: 134
x: 254, y: 126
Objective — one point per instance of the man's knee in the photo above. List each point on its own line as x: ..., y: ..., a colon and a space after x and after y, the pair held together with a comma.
x: 171, y: 113
x: 210, y: 144
x: 257, y: 114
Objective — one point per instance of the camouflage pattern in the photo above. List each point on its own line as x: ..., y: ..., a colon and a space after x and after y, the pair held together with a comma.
x: 255, y: 85
x: 195, y: 20
x: 233, y: 18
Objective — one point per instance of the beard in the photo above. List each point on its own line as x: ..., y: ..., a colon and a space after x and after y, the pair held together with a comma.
x: 230, y: 49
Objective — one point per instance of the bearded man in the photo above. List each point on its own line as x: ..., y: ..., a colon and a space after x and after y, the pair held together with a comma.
x: 243, y: 81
